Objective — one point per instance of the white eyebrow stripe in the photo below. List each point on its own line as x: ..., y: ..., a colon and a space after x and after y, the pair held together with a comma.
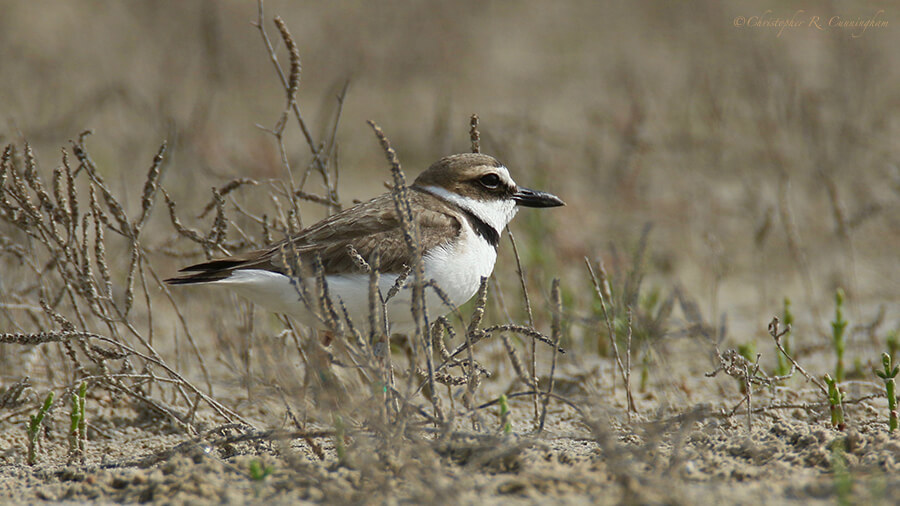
x: 504, y: 174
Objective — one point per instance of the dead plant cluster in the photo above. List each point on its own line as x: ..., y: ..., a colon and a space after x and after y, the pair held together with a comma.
x: 87, y: 306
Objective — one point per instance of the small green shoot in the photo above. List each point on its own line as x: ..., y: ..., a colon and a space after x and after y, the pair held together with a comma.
x: 783, y: 367
x: 838, y: 326
x: 504, y: 415
x: 835, y: 398
x: 339, y: 439
x: 748, y: 350
x: 34, y: 427
x: 77, y: 433
x: 888, y: 375
x: 259, y: 471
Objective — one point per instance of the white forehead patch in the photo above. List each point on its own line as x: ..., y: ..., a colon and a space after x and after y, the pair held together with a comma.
x: 504, y: 175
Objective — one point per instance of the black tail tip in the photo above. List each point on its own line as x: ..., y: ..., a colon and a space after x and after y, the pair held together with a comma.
x: 197, y: 278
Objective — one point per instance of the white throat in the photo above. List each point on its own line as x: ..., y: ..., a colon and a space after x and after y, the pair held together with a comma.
x: 496, y: 213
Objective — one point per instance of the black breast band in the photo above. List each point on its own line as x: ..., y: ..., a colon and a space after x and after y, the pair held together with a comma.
x: 490, y: 234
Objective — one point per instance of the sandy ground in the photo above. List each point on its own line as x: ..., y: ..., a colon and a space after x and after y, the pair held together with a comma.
x: 673, y: 451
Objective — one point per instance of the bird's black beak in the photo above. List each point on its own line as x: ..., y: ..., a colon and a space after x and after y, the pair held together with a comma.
x: 534, y: 198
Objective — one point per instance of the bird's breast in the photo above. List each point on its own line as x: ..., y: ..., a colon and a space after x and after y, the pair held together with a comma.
x: 458, y: 266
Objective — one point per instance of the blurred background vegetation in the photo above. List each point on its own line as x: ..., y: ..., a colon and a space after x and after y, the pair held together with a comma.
x: 768, y: 165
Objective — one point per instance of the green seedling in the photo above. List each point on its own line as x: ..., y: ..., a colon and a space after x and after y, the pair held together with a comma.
x: 783, y: 367
x: 835, y: 398
x: 504, y: 415
x: 888, y: 375
x: 77, y: 433
x: 339, y: 439
x: 259, y: 471
x: 748, y: 351
x: 838, y: 326
x: 34, y: 427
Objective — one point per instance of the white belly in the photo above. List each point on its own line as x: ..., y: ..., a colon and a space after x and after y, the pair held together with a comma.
x: 456, y: 268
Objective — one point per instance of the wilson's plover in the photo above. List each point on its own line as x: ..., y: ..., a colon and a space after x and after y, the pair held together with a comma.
x: 460, y: 205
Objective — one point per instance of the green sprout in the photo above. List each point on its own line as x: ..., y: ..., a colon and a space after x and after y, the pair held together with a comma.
x: 838, y: 326
x: 835, y: 398
x: 77, y: 432
x: 504, y: 415
x: 783, y: 368
x: 259, y: 471
x: 888, y: 376
x: 748, y: 350
x: 34, y: 427
x: 339, y: 439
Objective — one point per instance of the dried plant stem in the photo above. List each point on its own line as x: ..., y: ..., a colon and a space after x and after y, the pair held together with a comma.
x: 556, y: 332
x: 602, y: 290
x: 528, y: 310
x: 403, y: 207
x: 777, y: 334
x: 218, y: 407
x: 204, y: 369
x: 631, y: 406
x: 489, y: 332
x: 287, y: 81
x: 474, y: 134
x: 748, y: 373
x: 536, y: 393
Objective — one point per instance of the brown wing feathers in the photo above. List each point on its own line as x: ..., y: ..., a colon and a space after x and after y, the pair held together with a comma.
x: 368, y: 227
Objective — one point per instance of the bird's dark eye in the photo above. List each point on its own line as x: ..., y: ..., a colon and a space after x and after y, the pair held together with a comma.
x: 490, y: 180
